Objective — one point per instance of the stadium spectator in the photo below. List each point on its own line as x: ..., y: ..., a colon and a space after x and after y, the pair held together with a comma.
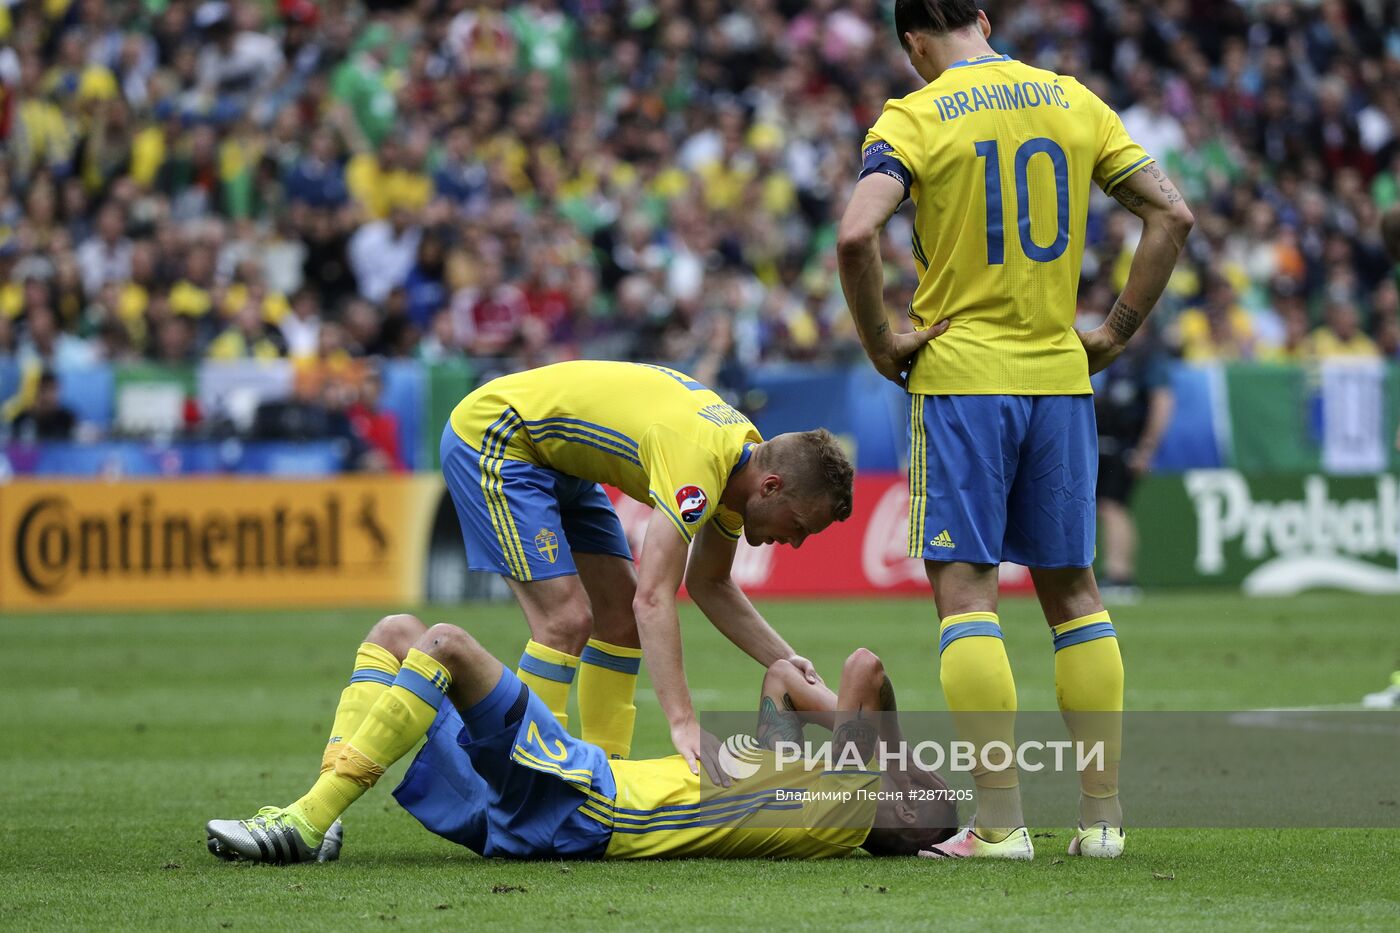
x: 1340, y: 334
x: 319, y: 411
x: 425, y: 286
x: 316, y: 177
x: 376, y: 427
x: 105, y: 256
x: 175, y: 342
x: 382, y: 252
x: 248, y: 336
x: 302, y: 327
x: 489, y: 316
x: 46, y: 418
x: 45, y: 346
x: 1220, y: 329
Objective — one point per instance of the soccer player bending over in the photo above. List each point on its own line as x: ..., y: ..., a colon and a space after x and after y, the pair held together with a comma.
x: 999, y: 158
x: 523, y: 456
x: 500, y: 775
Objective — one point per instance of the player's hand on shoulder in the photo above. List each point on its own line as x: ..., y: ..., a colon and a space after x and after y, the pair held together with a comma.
x: 1100, y: 347
x: 893, y: 353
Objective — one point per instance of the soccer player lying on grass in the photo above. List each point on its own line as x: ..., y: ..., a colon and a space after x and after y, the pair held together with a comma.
x: 499, y: 775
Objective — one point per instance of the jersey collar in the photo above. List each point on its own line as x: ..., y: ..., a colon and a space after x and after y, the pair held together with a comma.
x: 979, y: 60
x: 743, y: 459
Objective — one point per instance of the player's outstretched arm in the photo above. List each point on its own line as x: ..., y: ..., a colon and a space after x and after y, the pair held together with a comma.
x: 1166, y: 221
x: 874, y: 200
x: 661, y: 568
x: 709, y: 583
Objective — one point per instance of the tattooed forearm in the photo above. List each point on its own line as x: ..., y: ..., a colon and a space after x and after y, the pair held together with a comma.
x: 777, y: 725
x: 1123, y: 321
x: 860, y: 732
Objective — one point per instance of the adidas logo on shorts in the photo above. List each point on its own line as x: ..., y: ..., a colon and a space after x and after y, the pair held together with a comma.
x: 943, y: 540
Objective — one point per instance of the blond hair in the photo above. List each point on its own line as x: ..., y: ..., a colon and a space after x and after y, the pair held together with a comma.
x: 813, y: 466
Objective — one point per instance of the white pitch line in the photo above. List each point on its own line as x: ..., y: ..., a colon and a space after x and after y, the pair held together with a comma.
x: 1277, y: 719
x: 699, y: 696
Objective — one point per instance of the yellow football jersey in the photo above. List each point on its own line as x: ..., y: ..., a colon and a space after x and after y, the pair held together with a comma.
x: 654, y: 433
x: 998, y: 157
x: 661, y: 810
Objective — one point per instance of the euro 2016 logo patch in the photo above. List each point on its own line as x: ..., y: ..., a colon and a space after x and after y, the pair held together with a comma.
x: 547, y: 543
x: 690, y: 503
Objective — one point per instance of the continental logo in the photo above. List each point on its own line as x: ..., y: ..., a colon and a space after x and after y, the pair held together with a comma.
x: 56, y: 543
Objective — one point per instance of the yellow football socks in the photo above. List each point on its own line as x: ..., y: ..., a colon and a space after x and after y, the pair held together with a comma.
x: 607, y: 683
x: 375, y: 670
x: 548, y: 673
x: 981, y: 693
x: 1089, y: 688
x: 392, y: 726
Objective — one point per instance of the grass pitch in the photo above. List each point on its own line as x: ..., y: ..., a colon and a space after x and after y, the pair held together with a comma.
x: 122, y: 734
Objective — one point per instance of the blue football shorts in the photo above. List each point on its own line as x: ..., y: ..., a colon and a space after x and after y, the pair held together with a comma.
x: 506, y: 780
x: 525, y: 521
x: 997, y: 478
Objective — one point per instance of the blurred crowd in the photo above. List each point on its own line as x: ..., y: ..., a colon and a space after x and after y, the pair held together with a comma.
x: 519, y: 182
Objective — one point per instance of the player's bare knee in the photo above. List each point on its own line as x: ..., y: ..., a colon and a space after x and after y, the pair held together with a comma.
x: 863, y: 665
x: 397, y: 633
x: 566, y: 629
x: 782, y: 668
x: 780, y: 673
x: 447, y: 643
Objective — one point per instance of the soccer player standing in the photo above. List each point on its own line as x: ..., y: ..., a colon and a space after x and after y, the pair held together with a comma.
x: 998, y: 158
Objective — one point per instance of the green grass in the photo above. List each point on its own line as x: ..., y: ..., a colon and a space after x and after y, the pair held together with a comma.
x: 122, y: 734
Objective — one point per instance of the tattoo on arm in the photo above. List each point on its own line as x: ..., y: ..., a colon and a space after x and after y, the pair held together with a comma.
x: 861, y: 732
x: 1134, y: 202
x: 887, y: 703
x: 884, y: 327
x: 1128, y: 198
x: 778, y: 725
x: 1123, y: 321
x: 1164, y: 184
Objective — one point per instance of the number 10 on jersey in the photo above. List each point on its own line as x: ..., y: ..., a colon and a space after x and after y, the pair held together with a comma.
x: 990, y: 150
